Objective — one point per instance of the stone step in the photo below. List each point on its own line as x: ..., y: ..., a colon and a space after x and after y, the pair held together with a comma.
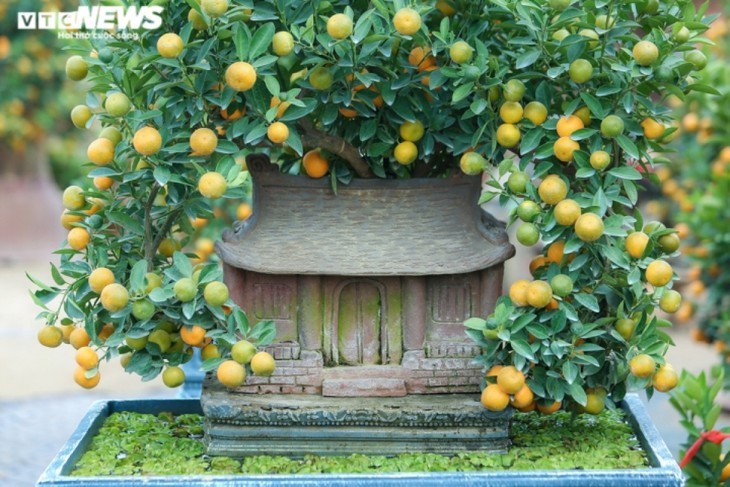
x: 298, y: 425
x: 297, y: 442
x: 366, y: 372
x: 368, y: 387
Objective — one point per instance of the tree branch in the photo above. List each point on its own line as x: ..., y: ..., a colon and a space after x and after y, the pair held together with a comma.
x: 312, y: 137
x: 150, y: 249
x: 165, y: 229
x: 152, y: 244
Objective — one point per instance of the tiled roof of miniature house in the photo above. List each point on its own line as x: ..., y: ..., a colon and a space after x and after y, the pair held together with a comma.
x: 369, y: 227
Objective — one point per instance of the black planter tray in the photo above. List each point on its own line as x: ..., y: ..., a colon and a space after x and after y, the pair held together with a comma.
x: 663, y: 469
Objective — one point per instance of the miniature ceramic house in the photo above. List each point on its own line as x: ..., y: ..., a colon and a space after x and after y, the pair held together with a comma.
x: 369, y: 286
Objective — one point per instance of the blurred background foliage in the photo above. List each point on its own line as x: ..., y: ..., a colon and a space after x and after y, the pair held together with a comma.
x: 36, y: 98
x: 694, y: 196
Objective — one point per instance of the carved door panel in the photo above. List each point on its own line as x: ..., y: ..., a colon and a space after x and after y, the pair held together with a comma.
x: 451, y: 300
x: 359, y: 317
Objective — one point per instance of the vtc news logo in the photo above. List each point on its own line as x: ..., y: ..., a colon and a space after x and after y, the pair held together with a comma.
x: 93, y: 18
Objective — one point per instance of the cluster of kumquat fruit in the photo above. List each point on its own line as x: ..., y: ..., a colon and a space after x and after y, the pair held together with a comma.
x: 126, y: 288
x: 585, y: 329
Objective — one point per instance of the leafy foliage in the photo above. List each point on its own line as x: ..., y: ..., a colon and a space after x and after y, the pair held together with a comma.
x: 31, y: 62
x: 552, y: 442
x: 573, y: 346
x: 36, y: 97
x: 695, y: 400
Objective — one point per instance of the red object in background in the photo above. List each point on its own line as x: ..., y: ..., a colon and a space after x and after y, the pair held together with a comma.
x: 714, y: 436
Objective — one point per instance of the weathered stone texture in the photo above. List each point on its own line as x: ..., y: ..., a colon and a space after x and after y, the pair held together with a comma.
x: 367, y: 284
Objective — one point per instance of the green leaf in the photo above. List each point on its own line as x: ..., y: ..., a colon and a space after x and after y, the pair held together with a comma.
x: 296, y: 112
x: 462, y: 92
x: 711, y: 417
x: 162, y: 175
x: 362, y: 27
x: 616, y: 256
x: 295, y: 141
x: 103, y: 171
x: 57, y: 278
x: 160, y: 295
x: 73, y: 310
x: 676, y: 91
x: 241, y: 40
x: 531, y: 140
x: 241, y: 320
x: 42, y: 297
x: 615, y: 226
x: 38, y: 282
x: 189, y: 308
x: 582, y: 134
x: 261, y: 40
x: 505, y: 166
x: 556, y: 71
x: 272, y: 84
x: 263, y: 333
x: 634, y: 276
x: 608, y: 90
x: 226, y: 147
x: 626, y: 172
x: 570, y: 371
x: 589, y: 301
x: 368, y: 129
x: 256, y: 133
x: 594, y: 105
x: 486, y: 197
x: 478, y: 105
x: 631, y: 192
x: 521, y: 347
x: 502, y: 311
x: 136, y: 277
x: 211, y: 364
x: 182, y: 264
x: 577, y: 393
x: 522, y: 321
x: 703, y: 89
x: 125, y: 221
x: 476, y: 323
x: 628, y: 146
x: 527, y: 59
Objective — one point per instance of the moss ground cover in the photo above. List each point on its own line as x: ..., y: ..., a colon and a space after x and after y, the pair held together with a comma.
x: 144, y: 444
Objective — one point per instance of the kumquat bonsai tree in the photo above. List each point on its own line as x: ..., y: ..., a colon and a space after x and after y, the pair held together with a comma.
x: 561, y: 99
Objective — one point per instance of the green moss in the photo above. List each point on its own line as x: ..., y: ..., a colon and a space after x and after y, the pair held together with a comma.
x: 144, y: 444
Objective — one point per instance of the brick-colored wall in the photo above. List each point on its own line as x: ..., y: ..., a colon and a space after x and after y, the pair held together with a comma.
x: 297, y: 372
x: 441, y: 375
x: 301, y: 372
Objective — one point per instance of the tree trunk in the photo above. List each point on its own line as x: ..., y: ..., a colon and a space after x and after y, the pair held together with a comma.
x: 30, y: 206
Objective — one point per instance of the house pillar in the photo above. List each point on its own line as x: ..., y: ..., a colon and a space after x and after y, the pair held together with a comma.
x: 310, y: 311
x: 236, y: 281
x: 414, y: 312
x: 491, y: 289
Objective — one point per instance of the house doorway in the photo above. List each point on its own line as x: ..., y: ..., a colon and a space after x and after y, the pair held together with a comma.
x: 359, y: 323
